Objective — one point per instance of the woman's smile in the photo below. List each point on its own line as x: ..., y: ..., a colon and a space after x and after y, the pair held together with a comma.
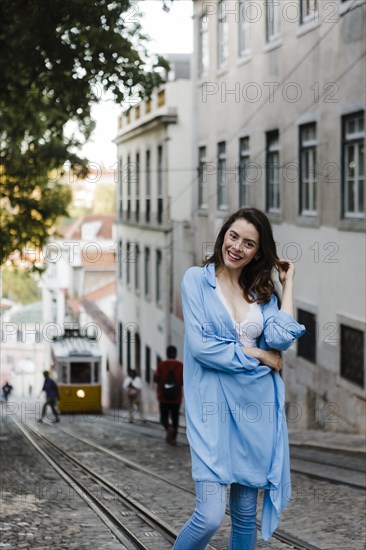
x: 234, y: 256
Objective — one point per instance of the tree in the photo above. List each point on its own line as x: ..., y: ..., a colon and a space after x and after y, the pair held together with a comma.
x: 104, y: 201
x: 19, y: 285
x: 57, y: 57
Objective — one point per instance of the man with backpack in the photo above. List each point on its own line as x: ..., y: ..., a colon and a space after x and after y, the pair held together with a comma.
x: 169, y: 377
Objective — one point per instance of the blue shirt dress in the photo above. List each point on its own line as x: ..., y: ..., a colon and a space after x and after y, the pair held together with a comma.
x: 236, y: 423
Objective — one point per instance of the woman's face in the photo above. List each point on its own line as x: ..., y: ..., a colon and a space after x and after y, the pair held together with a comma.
x: 241, y: 243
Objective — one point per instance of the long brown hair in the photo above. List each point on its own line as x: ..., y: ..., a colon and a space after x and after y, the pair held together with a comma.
x: 256, y: 276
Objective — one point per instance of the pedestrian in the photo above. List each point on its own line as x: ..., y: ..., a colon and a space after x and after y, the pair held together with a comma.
x: 234, y: 394
x: 52, y: 395
x: 169, y: 378
x: 133, y: 386
x: 7, y: 389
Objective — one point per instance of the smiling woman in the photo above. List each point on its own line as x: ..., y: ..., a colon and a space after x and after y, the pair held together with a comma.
x: 234, y: 331
x: 246, y: 241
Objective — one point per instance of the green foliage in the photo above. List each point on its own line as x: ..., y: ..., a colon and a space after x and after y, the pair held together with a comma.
x: 56, y: 59
x: 104, y: 200
x: 19, y: 286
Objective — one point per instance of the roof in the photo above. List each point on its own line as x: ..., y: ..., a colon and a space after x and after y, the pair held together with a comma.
x: 75, y: 346
x: 31, y: 313
x: 100, y: 293
x: 104, y: 322
x: 180, y: 64
x: 96, y: 259
x: 74, y: 230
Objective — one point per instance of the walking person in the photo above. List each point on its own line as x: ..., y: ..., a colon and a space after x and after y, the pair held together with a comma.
x: 169, y: 378
x: 7, y: 389
x: 133, y: 386
x: 52, y: 395
x: 234, y: 394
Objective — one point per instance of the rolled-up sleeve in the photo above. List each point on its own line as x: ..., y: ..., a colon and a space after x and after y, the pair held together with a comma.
x: 280, y: 328
x: 208, y: 343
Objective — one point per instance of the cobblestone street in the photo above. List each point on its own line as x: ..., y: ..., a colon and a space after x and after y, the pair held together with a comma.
x: 40, y: 510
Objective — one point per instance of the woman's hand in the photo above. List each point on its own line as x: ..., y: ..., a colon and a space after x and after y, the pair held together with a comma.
x: 286, y: 272
x: 269, y: 358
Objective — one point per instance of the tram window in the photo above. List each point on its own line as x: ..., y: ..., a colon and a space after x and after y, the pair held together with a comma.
x: 96, y: 372
x: 64, y: 373
x: 80, y: 373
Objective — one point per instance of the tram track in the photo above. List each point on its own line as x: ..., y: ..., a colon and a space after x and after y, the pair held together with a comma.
x: 136, y: 516
x: 87, y: 443
x: 317, y: 464
x: 282, y: 536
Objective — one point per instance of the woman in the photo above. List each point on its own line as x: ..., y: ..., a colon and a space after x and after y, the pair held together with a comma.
x: 234, y: 394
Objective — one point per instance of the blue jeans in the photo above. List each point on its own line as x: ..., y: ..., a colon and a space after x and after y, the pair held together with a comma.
x: 209, y: 513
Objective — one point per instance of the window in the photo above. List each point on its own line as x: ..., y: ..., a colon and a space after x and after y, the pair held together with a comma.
x: 137, y: 214
x: 160, y: 184
x: 161, y: 98
x: 203, y: 46
x: 64, y: 373
x: 120, y: 343
x: 170, y: 274
x: 308, y: 10
x: 137, y: 342
x: 306, y: 346
x: 202, y: 178
x: 128, y: 187
x: 353, y: 169
x: 222, y: 199
x: 120, y: 189
x: 273, y: 171
x: 80, y: 373
x: 120, y: 259
x: 147, y: 364
x: 222, y: 35
x: 158, y: 277
x: 272, y: 20
x: 128, y: 263
x: 97, y: 372
x: 244, y: 28
x: 148, y: 186
x: 147, y: 272
x: 137, y: 268
x: 352, y: 355
x: 128, y: 350
x: 244, y: 184
x: 308, y: 170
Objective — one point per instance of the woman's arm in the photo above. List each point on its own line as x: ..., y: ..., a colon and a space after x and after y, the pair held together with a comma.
x: 280, y: 327
x: 209, y: 344
x: 270, y: 358
x: 286, y: 276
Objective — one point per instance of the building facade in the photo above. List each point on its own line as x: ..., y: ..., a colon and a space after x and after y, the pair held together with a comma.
x: 278, y: 114
x: 154, y: 147
x: 79, y: 291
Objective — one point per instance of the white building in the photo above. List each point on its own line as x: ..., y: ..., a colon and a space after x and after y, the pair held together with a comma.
x: 278, y: 113
x: 154, y: 147
x: 78, y: 289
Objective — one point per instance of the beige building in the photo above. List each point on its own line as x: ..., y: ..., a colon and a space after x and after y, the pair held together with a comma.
x: 154, y: 147
x: 278, y: 111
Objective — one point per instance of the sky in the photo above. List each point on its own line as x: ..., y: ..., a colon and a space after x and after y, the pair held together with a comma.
x: 170, y: 33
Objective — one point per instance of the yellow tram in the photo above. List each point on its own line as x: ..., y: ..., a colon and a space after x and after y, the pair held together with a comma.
x: 77, y: 362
